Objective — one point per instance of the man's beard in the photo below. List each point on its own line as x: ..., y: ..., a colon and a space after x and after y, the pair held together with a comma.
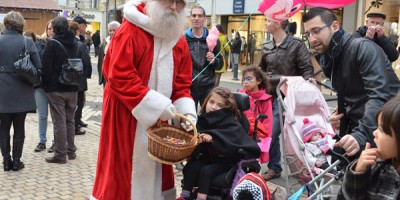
x: 166, y: 21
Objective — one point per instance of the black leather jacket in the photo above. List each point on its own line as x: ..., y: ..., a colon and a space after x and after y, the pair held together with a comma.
x: 383, y: 42
x: 198, y: 50
x: 290, y: 58
x: 364, y: 80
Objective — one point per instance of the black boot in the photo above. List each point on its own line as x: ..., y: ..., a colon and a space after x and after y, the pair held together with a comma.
x: 5, y: 151
x: 18, y: 145
x: 7, y: 164
x: 17, y: 164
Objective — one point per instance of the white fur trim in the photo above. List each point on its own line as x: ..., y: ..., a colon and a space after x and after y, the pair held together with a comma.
x: 185, y: 106
x: 146, y: 173
x: 92, y: 197
x: 161, y: 75
x: 150, y: 108
x: 169, y: 194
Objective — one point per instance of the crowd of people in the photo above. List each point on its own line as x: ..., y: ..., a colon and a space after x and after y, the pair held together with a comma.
x: 149, y: 74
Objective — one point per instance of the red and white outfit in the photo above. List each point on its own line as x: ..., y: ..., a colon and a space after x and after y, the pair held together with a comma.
x: 144, y: 75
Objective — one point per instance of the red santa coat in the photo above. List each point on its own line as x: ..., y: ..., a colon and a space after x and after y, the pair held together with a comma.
x: 144, y: 74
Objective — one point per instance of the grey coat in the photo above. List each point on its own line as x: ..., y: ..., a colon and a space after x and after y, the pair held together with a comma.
x: 15, y: 94
x: 380, y: 183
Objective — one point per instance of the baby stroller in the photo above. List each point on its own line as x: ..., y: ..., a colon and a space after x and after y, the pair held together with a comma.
x: 220, y: 187
x: 304, y: 100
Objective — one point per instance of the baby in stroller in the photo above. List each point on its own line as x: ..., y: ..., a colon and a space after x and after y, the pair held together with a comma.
x: 316, y: 145
x: 222, y: 135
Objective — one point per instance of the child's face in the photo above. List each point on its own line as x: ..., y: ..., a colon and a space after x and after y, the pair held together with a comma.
x: 315, y: 137
x: 386, y: 144
x: 250, y: 82
x: 215, y: 102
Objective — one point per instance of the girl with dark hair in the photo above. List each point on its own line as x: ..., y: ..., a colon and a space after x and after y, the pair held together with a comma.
x: 254, y: 84
x: 221, y: 136
x: 375, y: 175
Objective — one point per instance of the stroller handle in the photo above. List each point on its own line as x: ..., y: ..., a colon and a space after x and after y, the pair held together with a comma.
x: 278, y: 88
x: 338, y: 156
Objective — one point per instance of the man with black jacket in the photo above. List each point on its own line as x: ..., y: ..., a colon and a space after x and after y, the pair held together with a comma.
x: 96, y: 42
x: 374, y: 31
x: 202, y: 57
x: 62, y: 98
x: 282, y: 56
x: 360, y: 73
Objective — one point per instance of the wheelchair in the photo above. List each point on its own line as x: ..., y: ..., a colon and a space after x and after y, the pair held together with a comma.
x: 220, y: 186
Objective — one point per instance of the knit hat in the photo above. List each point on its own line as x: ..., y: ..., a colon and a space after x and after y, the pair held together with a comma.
x: 308, y: 129
x: 254, y: 184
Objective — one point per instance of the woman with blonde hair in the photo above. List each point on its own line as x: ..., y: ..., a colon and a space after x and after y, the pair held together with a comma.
x: 42, y: 102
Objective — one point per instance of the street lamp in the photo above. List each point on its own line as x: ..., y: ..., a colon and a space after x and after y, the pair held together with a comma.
x: 213, y: 14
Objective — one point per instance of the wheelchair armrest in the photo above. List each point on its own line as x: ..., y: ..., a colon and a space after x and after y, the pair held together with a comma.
x: 245, y: 155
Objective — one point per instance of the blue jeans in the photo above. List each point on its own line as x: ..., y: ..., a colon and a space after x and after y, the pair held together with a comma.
x: 274, y: 150
x: 235, y: 65
x: 42, y: 107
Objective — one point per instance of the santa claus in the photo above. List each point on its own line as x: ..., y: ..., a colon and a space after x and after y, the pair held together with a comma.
x: 148, y: 73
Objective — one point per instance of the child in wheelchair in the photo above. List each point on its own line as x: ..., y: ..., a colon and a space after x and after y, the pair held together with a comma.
x: 221, y: 136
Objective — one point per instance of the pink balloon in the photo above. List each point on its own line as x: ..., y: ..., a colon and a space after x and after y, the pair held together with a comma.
x: 280, y: 10
x: 330, y: 4
x: 212, y: 38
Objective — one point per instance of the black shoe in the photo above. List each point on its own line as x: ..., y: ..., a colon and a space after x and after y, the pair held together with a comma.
x: 17, y: 165
x: 56, y: 160
x: 51, y: 149
x: 40, y: 147
x: 7, y: 164
x: 83, y: 124
x: 71, y: 156
x: 79, y: 132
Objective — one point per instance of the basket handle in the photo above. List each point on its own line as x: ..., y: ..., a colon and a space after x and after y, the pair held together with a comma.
x: 191, y: 123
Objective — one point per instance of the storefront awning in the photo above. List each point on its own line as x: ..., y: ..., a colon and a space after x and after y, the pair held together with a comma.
x: 29, y: 4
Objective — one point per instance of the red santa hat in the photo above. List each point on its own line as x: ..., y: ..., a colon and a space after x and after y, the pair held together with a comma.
x: 308, y: 129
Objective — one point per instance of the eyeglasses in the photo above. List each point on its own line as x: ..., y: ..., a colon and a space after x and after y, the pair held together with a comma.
x: 247, y: 78
x: 315, y: 31
x: 179, y: 3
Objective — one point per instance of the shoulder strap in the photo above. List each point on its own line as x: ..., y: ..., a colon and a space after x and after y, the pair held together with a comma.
x: 24, y: 50
x: 62, y: 46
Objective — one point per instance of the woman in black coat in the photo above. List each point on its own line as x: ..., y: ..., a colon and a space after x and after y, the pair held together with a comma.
x: 16, y: 96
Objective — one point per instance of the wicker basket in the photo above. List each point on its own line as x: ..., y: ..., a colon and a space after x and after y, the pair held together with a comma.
x: 168, y: 153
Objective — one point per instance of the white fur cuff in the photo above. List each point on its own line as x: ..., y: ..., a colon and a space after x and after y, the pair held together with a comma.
x: 185, y: 106
x: 150, y: 108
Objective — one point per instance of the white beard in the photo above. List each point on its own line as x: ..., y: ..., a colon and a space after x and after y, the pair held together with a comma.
x: 166, y: 21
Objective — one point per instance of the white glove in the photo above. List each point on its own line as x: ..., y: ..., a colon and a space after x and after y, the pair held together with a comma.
x: 168, y: 113
x: 186, y: 125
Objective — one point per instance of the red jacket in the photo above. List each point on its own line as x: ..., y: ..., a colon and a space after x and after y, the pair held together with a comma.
x: 260, y: 103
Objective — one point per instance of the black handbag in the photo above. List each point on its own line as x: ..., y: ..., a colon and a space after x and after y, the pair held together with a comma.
x: 25, y: 69
x: 72, y: 72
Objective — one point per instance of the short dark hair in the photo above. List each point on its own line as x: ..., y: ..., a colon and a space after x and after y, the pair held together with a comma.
x: 389, y: 114
x: 198, y: 7
x: 259, y: 74
x: 59, y: 24
x: 327, y: 16
x: 284, y: 24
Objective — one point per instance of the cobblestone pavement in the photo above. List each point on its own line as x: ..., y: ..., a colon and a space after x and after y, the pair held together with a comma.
x: 74, y: 180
